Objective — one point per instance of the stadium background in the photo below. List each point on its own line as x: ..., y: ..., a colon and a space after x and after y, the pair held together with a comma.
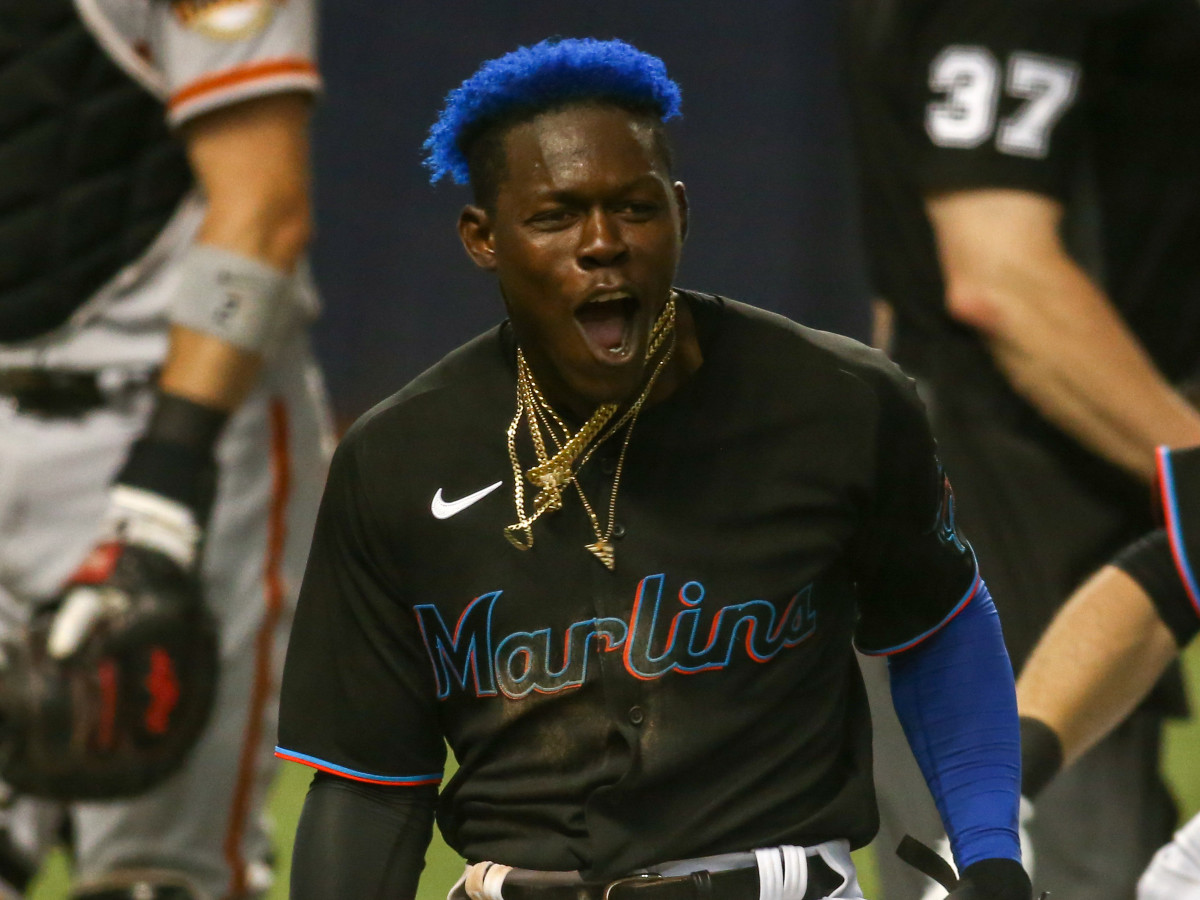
x: 763, y: 147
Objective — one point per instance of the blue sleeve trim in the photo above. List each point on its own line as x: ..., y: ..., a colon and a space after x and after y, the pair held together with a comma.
x: 956, y: 700
x: 1166, y: 481
x: 976, y: 583
x: 333, y: 768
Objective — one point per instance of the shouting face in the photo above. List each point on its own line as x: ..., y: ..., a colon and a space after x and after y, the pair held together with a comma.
x: 585, y: 237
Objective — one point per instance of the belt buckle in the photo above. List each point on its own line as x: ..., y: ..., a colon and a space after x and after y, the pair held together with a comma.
x: 629, y: 879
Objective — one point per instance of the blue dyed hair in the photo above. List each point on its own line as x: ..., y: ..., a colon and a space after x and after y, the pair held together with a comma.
x: 532, y: 80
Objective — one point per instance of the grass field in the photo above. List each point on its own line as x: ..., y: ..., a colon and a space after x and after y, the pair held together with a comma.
x: 1182, y: 763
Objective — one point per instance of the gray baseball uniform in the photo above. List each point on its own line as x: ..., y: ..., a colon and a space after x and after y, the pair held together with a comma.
x: 56, y: 466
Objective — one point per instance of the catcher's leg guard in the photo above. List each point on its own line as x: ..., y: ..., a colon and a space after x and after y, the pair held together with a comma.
x: 139, y: 884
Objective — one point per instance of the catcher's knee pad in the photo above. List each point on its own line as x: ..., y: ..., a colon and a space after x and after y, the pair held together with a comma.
x: 139, y: 884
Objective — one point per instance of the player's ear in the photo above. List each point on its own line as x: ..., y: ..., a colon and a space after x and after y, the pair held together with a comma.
x: 681, y: 200
x: 478, y: 239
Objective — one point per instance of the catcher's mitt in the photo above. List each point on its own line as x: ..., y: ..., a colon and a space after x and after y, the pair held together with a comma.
x: 122, y: 711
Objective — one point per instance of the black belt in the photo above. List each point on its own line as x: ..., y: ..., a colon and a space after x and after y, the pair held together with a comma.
x: 728, y: 884
x: 67, y: 393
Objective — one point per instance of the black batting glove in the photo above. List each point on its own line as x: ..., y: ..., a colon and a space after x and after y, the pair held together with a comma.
x: 993, y: 879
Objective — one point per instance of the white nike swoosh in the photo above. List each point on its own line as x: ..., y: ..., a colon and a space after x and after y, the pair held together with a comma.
x: 442, y: 509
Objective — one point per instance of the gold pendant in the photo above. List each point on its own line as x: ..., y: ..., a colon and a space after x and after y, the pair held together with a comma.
x: 519, y: 537
x: 605, y: 552
x: 550, y: 475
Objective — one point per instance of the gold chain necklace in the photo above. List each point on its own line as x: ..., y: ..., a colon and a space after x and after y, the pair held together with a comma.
x: 553, y: 473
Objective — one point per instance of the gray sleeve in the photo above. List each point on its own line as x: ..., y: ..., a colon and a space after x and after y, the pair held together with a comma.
x: 213, y: 53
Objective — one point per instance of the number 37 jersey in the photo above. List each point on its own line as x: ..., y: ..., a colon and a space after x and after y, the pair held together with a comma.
x: 1091, y: 102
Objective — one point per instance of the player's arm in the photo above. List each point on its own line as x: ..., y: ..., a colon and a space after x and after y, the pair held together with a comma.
x: 882, y: 320
x: 372, y: 726
x: 1100, y: 656
x: 954, y: 696
x: 1050, y: 329
x: 1116, y: 634
x: 252, y: 162
x: 1003, y: 131
x: 361, y: 840
x: 924, y: 606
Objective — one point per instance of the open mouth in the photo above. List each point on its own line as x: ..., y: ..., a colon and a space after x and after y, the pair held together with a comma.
x: 607, y: 322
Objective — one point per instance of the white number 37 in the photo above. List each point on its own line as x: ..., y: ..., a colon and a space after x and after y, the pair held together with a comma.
x: 968, y: 78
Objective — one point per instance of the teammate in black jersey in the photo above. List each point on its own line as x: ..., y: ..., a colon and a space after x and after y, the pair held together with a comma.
x: 1104, y: 651
x: 1032, y: 209
x: 616, y: 552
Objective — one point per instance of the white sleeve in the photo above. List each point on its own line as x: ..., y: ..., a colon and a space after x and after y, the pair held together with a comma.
x: 1174, y: 873
x: 217, y: 52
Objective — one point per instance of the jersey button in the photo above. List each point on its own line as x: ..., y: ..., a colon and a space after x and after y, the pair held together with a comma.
x: 636, y: 716
x: 608, y: 465
x: 618, y: 531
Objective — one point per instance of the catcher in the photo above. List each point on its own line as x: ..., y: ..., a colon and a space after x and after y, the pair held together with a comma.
x: 163, y: 432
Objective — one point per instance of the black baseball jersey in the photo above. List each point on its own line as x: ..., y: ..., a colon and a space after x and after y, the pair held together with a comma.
x: 1093, y: 103
x: 703, y: 696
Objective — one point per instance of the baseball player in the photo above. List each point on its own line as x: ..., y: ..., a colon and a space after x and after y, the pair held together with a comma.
x: 1106, y: 648
x: 616, y: 552
x: 163, y: 431
x: 1030, y: 209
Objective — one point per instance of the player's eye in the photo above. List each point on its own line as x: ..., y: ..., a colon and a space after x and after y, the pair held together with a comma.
x: 639, y: 210
x: 549, y: 219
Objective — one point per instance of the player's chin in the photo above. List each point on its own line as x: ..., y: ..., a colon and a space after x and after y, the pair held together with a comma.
x: 609, y: 382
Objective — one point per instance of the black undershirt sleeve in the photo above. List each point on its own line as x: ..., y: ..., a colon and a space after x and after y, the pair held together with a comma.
x: 361, y: 840
x: 1149, y: 562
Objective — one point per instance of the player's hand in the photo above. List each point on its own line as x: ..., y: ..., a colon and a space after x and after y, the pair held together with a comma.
x: 113, y: 682
x: 148, y: 546
x: 1024, y: 817
x: 993, y: 879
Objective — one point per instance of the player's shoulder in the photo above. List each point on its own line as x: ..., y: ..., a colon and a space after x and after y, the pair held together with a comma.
x: 461, y: 387
x: 785, y: 352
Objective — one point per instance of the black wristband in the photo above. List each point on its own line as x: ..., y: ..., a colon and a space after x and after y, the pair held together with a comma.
x: 175, y: 455
x: 1041, y: 756
x: 998, y: 879
x: 177, y: 420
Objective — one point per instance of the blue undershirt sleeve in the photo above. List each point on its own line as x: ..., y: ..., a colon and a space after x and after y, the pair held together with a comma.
x: 955, y: 698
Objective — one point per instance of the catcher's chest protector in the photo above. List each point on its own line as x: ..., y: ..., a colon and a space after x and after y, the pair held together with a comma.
x: 89, y: 173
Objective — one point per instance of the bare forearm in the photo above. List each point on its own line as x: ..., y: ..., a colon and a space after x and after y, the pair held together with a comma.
x: 1087, y: 375
x: 252, y: 162
x: 1053, y: 332
x: 207, y: 370
x: 1100, y: 656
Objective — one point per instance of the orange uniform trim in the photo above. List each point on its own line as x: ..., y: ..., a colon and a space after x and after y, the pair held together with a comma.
x: 230, y: 78
x: 264, y: 641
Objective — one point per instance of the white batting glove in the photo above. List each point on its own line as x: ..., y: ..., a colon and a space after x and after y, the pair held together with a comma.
x: 135, y: 518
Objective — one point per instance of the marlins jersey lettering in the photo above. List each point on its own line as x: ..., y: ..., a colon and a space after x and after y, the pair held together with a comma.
x: 783, y: 503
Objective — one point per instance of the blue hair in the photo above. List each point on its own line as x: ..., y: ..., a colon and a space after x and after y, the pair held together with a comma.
x: 533, y: 79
